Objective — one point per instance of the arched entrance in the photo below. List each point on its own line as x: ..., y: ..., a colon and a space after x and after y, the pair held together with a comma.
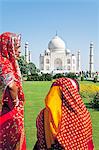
x: 57, y: 64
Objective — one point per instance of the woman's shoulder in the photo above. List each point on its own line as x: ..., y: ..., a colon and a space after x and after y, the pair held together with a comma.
x: 6, y: 71
x: 5, y: 66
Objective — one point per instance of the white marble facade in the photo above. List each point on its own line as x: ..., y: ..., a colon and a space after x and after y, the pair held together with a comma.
x: 57, y: 59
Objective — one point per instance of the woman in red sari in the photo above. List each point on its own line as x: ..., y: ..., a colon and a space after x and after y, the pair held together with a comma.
x: 64, y: 124
x: 12, y: 135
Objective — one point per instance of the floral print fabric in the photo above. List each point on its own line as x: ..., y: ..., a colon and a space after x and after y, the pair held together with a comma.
x: 11, y: 116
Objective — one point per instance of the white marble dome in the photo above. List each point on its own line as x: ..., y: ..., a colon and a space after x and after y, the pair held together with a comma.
x: 56, y: 44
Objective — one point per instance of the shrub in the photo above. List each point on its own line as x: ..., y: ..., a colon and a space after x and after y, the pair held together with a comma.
x: 95, y: 79
x: 29, y: 78
x: 88, y: 90
x: 95, y: 102
x: 71, y: 75
x: 82, y: 78
x: 33, y: 77
x: 58, y: 75
x: 46, y: 77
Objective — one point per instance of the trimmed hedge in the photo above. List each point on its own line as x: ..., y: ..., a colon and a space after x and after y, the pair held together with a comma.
x: 49, y: 77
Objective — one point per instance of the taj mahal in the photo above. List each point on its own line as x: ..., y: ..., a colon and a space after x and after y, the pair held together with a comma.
x: 58, y: 59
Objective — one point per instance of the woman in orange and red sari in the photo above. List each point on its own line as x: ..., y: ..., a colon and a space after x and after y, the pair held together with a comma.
x: 12, y: 135
x: 64, y: 124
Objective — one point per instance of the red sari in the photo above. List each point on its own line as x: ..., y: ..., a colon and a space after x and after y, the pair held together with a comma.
x: 66, y: 125
x: 12, y: 135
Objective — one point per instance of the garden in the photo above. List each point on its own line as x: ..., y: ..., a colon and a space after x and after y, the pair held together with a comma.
x: 35, y: 92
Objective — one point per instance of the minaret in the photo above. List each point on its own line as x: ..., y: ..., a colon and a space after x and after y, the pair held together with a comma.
x: 56, y: 32
x: 91, y: 61
x: 78, y: 61
x: 26, y: 52
x: 29, y: 56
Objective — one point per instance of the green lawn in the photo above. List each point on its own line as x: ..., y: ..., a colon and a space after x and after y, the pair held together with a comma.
x: 35, y: 93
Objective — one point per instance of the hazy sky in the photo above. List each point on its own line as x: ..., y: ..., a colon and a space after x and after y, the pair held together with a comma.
x: 76, y: 22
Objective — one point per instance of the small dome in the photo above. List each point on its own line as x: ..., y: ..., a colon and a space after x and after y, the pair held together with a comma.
x: 47, y: 50
x: 26, y: 43
x: 56, y: 44
x: 68, y: 51
x: 91, y: 42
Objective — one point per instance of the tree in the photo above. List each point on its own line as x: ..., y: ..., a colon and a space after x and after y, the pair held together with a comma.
x: 32, y: 68
x: 23, y: 65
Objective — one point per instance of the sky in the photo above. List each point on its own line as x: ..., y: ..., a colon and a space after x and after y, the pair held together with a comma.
x: 76, y: 22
